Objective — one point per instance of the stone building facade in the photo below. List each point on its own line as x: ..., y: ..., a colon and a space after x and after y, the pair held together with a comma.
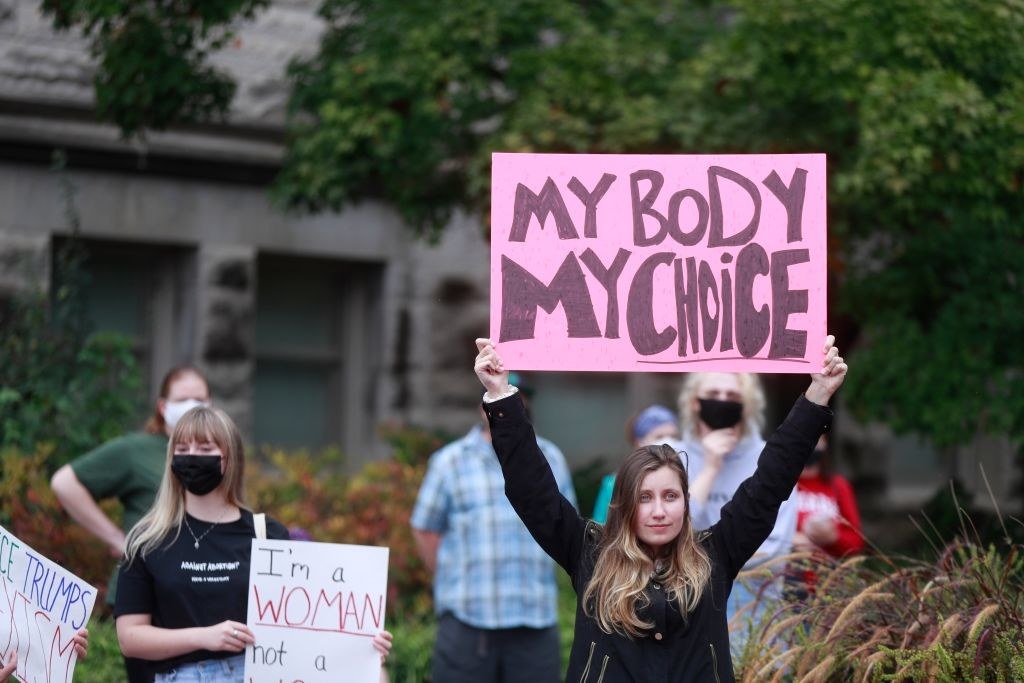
x: 314, y: 330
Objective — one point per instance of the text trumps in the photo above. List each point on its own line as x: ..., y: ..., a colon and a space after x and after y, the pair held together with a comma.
x: 42, y: 605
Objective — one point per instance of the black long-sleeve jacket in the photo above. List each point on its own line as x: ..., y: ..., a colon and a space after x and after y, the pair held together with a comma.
x: 694, y: 648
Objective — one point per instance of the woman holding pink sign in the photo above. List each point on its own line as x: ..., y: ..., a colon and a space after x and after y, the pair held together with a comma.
x: 651, y: 591
x: 182, y: 597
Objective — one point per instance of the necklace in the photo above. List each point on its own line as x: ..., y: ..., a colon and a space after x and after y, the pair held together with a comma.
x: 205, y: 533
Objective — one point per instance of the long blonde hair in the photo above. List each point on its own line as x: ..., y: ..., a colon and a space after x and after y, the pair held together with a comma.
x: 751, y: 391
x: 164, y: 519
x: 615, y: 594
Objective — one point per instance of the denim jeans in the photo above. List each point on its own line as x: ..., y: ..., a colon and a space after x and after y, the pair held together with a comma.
x: 228, y: 670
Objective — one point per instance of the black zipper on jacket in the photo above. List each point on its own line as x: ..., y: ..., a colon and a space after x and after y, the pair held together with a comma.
x: 604, y: 665
x: 586, y: 669
x: 714, y: 662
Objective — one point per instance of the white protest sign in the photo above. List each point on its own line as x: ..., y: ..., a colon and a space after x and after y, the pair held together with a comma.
x: 314, y: 609
x: 42, y: 606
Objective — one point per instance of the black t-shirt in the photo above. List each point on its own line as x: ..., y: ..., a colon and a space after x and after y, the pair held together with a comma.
x: 180, y: 586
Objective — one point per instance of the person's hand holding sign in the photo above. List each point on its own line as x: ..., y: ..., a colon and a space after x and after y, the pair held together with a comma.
x: 830, y: 378
x: 490, y: 369
x: 81, y: 643
x: 382, y: 644
x: 7, y: 669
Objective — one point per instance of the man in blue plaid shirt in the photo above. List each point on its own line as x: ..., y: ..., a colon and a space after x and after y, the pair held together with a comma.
x: 494, y: 588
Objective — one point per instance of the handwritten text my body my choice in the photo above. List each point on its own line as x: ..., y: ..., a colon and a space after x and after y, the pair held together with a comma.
x: 715, y: 305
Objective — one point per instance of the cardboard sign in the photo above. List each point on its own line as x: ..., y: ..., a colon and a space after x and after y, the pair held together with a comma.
x: 671, y: 263
x: 315, y: 608
x: 42, y: 606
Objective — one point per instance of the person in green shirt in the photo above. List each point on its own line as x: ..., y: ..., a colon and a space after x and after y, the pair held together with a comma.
x: 129, y: 469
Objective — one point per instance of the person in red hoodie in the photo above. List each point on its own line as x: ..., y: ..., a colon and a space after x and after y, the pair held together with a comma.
x: 828, y: 520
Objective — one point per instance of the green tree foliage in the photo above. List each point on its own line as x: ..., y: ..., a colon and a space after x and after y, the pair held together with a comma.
x: 920, y: 107
x: 152, y: 69
x: 406, y: 101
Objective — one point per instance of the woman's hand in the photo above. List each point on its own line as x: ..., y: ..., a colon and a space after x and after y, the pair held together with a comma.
x: 489, y: 369
x: 81, y: 641
x: 821, y: 530
x: 717, y: 444
x: 833, y: 372
x: 382, y: 643
x: 7, y: 670
x: 802, y: 544
x: 228, y: 636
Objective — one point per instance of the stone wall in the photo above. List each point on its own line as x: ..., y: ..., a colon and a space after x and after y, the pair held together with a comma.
x: 227, y: 300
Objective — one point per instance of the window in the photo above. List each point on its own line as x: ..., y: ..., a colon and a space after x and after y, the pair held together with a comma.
x: 138, y: 290
x: 316, y: 336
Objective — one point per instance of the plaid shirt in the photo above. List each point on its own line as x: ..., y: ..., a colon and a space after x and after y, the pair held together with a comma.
x: 490, y: 572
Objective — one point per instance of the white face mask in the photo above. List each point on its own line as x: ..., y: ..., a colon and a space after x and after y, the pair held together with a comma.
x: 174, y: 410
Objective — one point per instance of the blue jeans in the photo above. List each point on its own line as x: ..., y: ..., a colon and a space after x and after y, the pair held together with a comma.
x: 227, y: 670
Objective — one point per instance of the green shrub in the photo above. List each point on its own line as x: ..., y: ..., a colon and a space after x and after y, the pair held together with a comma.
x: 104, y: 661
x: 413, y: 645
x: 31, y: 512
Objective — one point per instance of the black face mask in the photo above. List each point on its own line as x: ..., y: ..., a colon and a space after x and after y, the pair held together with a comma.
x: 815, y: 458
x: 199, y: 474
x: 720, y: 414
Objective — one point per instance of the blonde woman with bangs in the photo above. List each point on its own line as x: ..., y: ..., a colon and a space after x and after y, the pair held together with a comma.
x: 651, y: 591
x: 184, y: 582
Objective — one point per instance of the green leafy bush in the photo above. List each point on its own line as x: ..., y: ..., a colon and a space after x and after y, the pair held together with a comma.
x: 29, y: 509
x: 104, y: 661
x: 413, y: 645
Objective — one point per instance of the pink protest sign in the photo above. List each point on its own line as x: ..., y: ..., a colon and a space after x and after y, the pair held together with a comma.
x: 672, y: 263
